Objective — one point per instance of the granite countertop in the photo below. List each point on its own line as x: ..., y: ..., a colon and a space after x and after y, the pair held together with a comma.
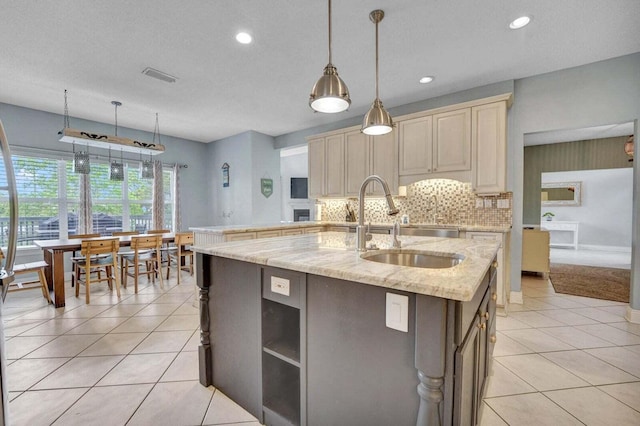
x: 230, y: 229
x: 333, y: 254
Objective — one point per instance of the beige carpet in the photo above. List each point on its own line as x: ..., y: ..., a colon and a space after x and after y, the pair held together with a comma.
x: 591, y: 281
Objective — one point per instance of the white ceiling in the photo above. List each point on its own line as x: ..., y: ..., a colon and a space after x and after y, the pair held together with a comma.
x: 97, y: 50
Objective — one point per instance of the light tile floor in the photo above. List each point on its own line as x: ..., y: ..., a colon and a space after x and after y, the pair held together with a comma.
x: 132, y: 361
x: 558, y: 360
x: 563, y: 360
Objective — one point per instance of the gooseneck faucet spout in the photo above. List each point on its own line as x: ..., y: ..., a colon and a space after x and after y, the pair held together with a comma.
x: 361, y: 230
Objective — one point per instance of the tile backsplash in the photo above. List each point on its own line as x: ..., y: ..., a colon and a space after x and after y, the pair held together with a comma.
x: 441, y: 201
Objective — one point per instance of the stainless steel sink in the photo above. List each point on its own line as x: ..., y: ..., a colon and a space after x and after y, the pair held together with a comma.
x: 413, y: 258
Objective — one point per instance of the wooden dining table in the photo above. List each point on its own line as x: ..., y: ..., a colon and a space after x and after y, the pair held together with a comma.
x: 53, y: 252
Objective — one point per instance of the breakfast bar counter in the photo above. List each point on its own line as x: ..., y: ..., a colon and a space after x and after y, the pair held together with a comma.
x: 305, y: 330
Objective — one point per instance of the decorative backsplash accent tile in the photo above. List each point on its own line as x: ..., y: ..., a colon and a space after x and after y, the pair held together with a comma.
x: 433, y: 201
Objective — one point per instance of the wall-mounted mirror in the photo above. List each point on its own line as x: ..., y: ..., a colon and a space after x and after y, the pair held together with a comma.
x: 561, y: 193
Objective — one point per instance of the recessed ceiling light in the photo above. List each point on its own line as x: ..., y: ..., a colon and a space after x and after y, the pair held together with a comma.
x: 244, y: 38
x: 427, y: 79
x: 520, y: 22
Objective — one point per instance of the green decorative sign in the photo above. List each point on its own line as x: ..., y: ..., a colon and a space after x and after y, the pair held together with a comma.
x: 266, y: 186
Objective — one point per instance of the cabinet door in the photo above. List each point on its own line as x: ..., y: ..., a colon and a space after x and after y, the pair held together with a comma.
x: 384, y: 161
x: 415, y: 146
x: 356, y: 147
x: 334, y: 165
x: 465, y: 394
x: 489, y: 142
x: 316, y: 168
x: 500, y: 270
x: 452, y: 141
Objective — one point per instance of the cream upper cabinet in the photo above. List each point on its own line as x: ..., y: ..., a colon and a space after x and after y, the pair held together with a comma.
x: 370, y: 155
x: 489, y: 140
x: 316, y: 167
x: 326, y: 166
x: 334, y: 165
x: 415, y: 146
x: 435, y: 144
x: 466, y: 142
x: 384, y: 161
x: 356, y: 145
x: 452, y: 141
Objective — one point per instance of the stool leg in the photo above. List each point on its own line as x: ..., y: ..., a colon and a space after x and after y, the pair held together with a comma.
x: 43, y: 283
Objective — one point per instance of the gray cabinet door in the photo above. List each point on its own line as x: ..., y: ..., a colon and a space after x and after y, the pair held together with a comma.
x: 234, y: 309
x: 359, y: 372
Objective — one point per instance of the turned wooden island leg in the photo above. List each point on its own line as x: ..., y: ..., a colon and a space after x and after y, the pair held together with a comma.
x: 431, y: 321
x: 203, y: 281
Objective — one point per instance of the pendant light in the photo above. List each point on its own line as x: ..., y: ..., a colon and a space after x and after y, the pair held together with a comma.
x: 81, y: 163
x: 329, y: 94
x: 377, y: 121
x: 146, y: 167
x: 116, y: 170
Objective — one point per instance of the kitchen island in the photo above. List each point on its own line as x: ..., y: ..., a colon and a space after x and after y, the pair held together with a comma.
x: 303, y: 330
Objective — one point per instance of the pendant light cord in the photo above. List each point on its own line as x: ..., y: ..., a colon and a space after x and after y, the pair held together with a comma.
x: 377, y: 96
x: 329, y: 31
x: 116, y: 113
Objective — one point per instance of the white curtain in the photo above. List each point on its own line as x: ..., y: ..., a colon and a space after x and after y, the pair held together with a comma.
x: 85, y: 215
x: 176, y: 198
x: 157, y: 209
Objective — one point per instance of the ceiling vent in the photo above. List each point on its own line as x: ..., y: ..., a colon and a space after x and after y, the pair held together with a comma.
x: 159, y: 75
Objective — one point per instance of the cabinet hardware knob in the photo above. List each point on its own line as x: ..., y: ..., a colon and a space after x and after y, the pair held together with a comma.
x: 494, y: 296
x: 482, y: 326
x: 486, y: 315
x: 495, y: 264
x: 493, y: 338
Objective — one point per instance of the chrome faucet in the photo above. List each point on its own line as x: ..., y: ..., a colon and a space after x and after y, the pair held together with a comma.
x: 361, y: 230
x: 396, y: 233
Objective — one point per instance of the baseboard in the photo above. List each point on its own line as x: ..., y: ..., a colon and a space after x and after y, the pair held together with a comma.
x: 516, y: 297
x: 617, y: 249
x: 632, y: 315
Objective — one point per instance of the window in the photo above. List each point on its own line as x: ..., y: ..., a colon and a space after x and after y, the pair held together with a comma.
x: 48, y: 189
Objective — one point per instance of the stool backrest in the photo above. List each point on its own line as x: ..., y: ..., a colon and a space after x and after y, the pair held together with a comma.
x: 158, y: 231
x: 184, y: 238
x: 103, y: 246
x: 83, y: 236
x: 146, y: 242
x: 121, y: 233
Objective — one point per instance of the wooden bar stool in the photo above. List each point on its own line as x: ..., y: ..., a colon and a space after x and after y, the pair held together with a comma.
x: 26, y: 268
x: 146, y: 253
x: 75, y: 272
x: 180, y: 253
x: 95, y: 247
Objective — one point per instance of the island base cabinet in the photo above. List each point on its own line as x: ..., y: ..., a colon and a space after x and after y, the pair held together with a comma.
x: 234, y: 312
x: 359, y: 372
x: 301, y: 349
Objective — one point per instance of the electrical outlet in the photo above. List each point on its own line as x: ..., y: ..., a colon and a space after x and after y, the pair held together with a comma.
x: 479, y: 203
x: 280, y: 285
x: 397, y: 312
x: 503, y: 204
x: 487, y: 203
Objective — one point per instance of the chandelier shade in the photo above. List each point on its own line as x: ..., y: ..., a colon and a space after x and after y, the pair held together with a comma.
x: 330, y: 94
x: 377, y: 121
x: 81, y: 162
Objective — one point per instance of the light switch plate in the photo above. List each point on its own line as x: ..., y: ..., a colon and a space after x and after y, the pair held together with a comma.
x: 503, y: 204
x: 479, y: 203
x: 280, y: 285
x: 397, y: 312
x: 487, y: 203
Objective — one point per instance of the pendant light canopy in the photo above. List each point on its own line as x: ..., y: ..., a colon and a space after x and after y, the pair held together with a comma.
x: 377, y: 121
x: 329, y: 94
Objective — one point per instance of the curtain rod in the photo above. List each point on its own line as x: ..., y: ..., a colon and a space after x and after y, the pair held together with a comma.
x: 69, y: 154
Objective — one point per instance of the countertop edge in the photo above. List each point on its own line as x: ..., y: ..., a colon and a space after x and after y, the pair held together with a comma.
x: 303, y: 254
